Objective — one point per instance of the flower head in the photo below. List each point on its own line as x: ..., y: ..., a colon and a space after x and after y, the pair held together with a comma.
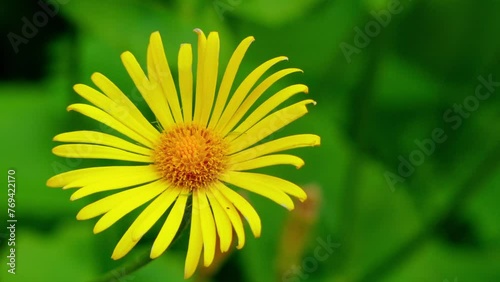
x: 206, y: 140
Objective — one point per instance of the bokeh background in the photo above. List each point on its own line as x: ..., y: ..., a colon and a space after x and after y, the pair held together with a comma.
x: 404, y: 187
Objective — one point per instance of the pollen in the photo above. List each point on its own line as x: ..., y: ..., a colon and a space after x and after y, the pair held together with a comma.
x: 190, y: 156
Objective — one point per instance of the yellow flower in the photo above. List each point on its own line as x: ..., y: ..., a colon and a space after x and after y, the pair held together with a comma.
x: 199, y: 148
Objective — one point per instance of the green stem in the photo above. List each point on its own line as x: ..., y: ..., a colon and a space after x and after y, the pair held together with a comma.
x: 126, y: 269
x: 122, y: 271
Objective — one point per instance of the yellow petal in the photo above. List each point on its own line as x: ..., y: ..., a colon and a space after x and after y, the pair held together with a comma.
x: 120, y: 113
x: 159, y: 71
x: 185, y: 62
x: 222, y: 222
x: 115, y: 94
x: 269, y: 160
x: 95, y: 137
x: 210, y: 71
x: 127, y: 242
x: 281, y: 144
x: 170, y: 227
x: 195, y: 240
x: 200, y: 68
x: 103, y: 117
x: 267, y: 126
x: 270, y: 104
x: 151, y: 91
x: 264, y: 180
x: 147, y: 192
x: 124, y: 245
x: 86, y: 151
x: 254, y: 95
x: 243, y: 180
x: 105, y: 204
x: 114, y: 183
x: 228, y: 79
x: 232, y: 214
x: 153, y: 212
x: 85, y: 176
x: 244, y: 207
x: 207, y: 228
x: 242, y: 90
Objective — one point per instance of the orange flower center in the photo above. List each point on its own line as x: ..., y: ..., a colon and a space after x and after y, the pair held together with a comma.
x: 190, y: 156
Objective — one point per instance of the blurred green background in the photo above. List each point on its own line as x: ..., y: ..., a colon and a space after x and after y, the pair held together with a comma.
x: 404, y: 187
